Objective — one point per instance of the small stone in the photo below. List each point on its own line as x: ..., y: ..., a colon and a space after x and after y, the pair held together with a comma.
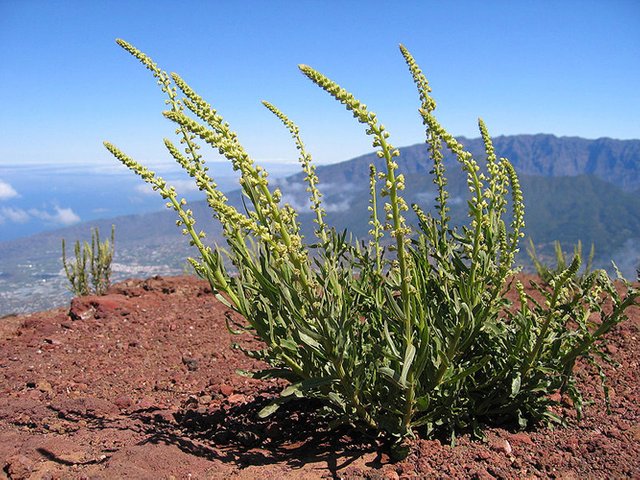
x: 44, y: 387
x: 391, y: 475
x: 190, y: 363
x: 483, y: 455
x: 502, y: 446
x: 237, y: 398
x: 522, y: 438
x: 81, y: 309
x: 612, y: 349
x: 19, y: 466
x: 482, y: 474
x: 165, y: 416
x: 226, y: 390
x: 123, y: 402
x: 146, y: 403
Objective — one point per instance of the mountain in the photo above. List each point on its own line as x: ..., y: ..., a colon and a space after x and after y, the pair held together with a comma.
x: 574, y: 189
x: 615, y: 161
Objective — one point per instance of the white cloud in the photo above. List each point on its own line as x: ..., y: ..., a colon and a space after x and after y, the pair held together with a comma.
x: 14, y: 215
x: 7, y: 191
x: 181, y: 186
x: 426, y: 198
x: 341, y: 206
x: 61, y: 216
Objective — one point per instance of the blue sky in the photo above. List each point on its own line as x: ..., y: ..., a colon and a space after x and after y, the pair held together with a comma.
x: 561, y: 67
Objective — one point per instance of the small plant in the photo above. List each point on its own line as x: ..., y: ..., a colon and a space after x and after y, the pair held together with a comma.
x: 91, y: 270
x: 547, y: 273
x: 410, y: 330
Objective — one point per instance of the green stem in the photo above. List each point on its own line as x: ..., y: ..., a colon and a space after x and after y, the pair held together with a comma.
x: 402, y: 261
x: 355, y: 400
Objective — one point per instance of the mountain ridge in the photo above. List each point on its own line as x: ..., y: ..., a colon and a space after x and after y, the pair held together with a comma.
x: 617, y: 161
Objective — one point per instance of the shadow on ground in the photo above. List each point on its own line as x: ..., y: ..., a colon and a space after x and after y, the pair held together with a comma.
x: 296, y: 434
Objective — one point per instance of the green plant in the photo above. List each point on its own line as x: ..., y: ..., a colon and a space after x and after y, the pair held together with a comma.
x: 547, y: 273
x: 91, y: 270
x: 410, y: 330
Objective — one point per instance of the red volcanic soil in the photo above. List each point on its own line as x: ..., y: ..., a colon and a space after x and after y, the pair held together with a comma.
x: 141, y: 384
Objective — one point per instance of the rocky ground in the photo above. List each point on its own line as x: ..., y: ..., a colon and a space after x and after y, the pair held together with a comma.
x: 141, y: 384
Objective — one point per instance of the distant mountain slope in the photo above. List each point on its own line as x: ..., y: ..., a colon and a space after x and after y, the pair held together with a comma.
x: 574, y: 189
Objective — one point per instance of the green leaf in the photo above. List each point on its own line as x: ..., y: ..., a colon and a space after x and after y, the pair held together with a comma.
x: 469, y: 370
x: 306, y: 385
x: 390, y: 341
x: 422, y: 403
x: 515, y: 385
x: 406, y: 364
x: 289, y: 344
x: 391, y: 375
x: 269, y: 410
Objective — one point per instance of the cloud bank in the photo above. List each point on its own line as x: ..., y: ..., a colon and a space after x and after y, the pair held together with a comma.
x: 7, y: 191
x: 58, y: 217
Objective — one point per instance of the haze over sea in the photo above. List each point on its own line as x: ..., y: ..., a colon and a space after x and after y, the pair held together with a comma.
x: 40, y: 197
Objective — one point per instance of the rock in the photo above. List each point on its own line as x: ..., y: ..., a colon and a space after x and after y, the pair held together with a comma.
x: 165, y: 416
x: 147, y: 403
x: 501, y: 445
x: 19, y: 467
x: 84, y: 407
x: 522, y: 438
x: 237, y: 398
x: 94, y: 306
x: 80, y: 309
x: 483, y: 455
x: 190, y: 363
x: 391, y: 475
x: 226, y: 390
x: 555, y: 397
x: 123, y: 402
x: 44, y: 387
x: 612, y: 349
x: 481, y: 474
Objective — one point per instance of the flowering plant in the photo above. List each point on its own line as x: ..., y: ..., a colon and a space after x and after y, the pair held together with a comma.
x: 411, y: 330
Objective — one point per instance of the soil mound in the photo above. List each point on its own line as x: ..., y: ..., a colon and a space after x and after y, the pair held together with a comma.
x: 141, y: 383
